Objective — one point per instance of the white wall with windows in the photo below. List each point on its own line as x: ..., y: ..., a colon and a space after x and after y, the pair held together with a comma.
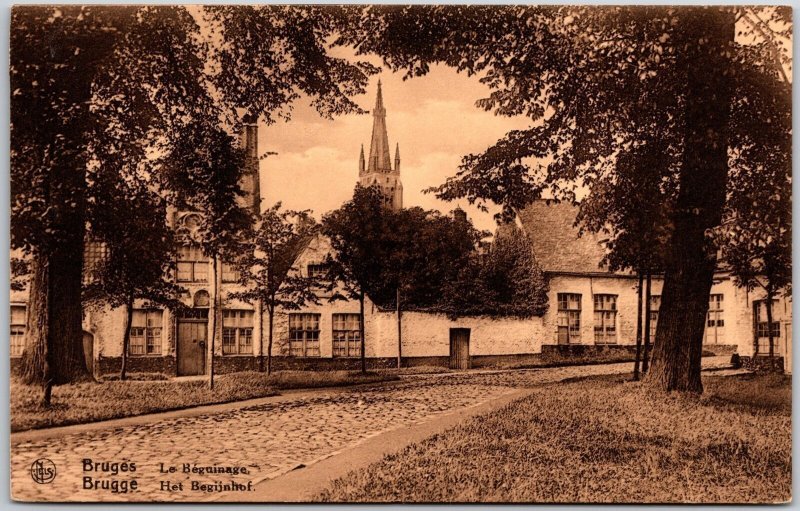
x: 602, y: 310
x: 592, y: 310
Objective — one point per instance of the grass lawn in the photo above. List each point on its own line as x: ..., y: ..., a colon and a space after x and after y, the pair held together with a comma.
x: 601, y: 440
x: 91, y: 402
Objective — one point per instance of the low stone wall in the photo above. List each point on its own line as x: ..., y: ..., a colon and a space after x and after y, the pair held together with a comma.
x: 567, y: 350
x: 230, y: 364
x: 111, y: 365
x: 329, y: 364
x: 763, y: 363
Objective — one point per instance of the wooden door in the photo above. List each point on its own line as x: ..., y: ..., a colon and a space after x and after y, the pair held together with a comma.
x: 192, y: 347
x: 459, y: 348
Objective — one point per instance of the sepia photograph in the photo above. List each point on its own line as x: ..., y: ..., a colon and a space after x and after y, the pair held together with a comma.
x: 400, y: 254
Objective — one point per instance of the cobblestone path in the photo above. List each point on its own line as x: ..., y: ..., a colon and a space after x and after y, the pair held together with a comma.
x: 175, y: 458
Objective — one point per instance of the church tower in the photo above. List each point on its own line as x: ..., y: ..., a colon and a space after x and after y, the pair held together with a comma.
x: 377, y: 169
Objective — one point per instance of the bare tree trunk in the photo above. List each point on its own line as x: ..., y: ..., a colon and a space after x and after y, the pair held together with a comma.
x: 647, y: 308
x: 755, y: 330
x: 214, y: 312
x: 638, y: 328
x: 361, y: 328
x: 261, y: 336
x: 399, y: 331
x: 770, y: 294
x: 269, y: 344
x: 126, y: 339
x: 706, y: 48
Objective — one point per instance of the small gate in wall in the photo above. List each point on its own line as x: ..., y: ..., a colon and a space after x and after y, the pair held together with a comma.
x: 459, y: 348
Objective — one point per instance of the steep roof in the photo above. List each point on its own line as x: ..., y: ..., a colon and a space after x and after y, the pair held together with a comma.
x: 379, y: 147
x: 556, y: 244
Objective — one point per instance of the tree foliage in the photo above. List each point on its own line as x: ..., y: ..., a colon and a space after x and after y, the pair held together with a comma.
x: 504, y: 281
x: 432, y: 259
x: 609, y: 88
x: 99, y: 89
x: 266, y: 266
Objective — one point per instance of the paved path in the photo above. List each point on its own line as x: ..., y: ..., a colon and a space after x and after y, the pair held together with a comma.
x: 225, y: 453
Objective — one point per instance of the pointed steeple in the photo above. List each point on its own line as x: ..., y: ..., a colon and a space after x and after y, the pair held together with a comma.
x: 361, y: 161
x: 397, y: 158
x: 379, y: 158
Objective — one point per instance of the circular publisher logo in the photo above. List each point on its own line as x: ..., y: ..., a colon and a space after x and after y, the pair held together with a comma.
x: 43, y: 471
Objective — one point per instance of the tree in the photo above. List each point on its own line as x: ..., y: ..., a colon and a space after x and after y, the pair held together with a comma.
x: 80, y: 96
x: 357, y: 233
x: 598, y: 83
x: 266, y: 267
x: 633, y: 215
x: 423, y: 250
x: 505, y: 281
x: 140, y: 253
x: 127, y: 82
x: 756, y: 236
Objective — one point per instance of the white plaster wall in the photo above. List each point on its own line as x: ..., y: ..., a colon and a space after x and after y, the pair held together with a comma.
x: 423, y: 334
x: 740, y: 318
x: 737, y: 308
x: 622, y: 286
x: 427, y: 334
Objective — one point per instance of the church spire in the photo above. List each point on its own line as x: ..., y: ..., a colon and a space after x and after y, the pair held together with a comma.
x: 379, y: 158
x: 397, y: 158
x: 361, y: 161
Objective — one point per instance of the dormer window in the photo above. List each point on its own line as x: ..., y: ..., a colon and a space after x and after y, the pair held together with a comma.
x: 317, y: 270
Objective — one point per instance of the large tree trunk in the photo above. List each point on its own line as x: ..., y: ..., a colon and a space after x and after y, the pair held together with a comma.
x: 638, y: 328
x: 54, y: 347
x: 647, y: 309
x: 708, y: 36
x: 126, y: 339
x: 361, y: 332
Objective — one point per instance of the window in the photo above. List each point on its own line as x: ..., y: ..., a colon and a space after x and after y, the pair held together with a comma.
x: 346, y: 335
x: 192, y: 264
x: 317, y: 270
x: 95, y: 253
x: 762, y: 331
x: 237, y: 332
x: 17, y: 330
x: 230, y: 273
x: 655, y: 305
x: 715, y: 324
x: 304, y: 335
x: 605, y: 319
x: 145, y: 332
x: 569, y: 318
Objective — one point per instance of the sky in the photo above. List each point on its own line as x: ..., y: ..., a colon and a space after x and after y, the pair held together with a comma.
x: 433, y: 118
